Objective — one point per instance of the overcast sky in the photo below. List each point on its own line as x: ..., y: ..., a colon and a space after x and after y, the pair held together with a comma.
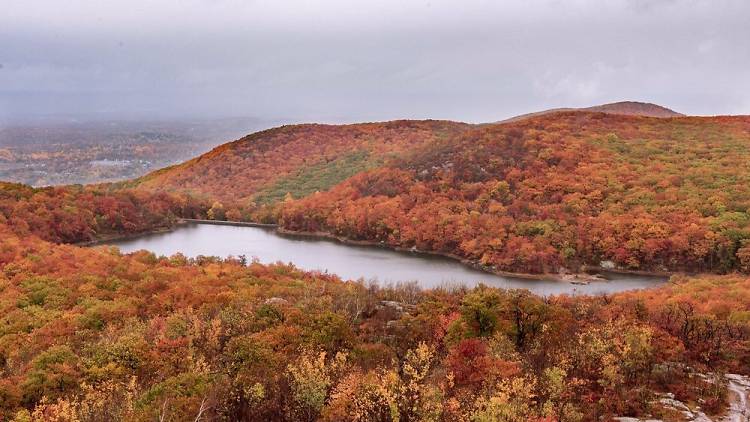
x: 349, y: 60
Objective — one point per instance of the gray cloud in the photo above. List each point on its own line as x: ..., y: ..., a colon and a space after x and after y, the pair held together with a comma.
x: 474, y: 60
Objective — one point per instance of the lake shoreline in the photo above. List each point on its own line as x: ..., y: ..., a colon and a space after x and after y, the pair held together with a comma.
x: 352, y: 242
x: 571, y: 278
x: 104, y: 239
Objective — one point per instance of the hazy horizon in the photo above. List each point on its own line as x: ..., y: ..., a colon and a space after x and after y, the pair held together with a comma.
x: 336, y: 61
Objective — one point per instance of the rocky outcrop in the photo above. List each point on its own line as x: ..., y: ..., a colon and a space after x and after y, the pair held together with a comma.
x: 276, y: 301
x: 739, y: 390
x: 738, y: 411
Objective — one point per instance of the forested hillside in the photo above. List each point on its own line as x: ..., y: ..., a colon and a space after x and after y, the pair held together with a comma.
x: 296, y: 159
x: 562, y: 190
x: 73, y: 214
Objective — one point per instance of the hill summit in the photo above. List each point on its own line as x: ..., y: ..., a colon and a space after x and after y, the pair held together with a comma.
x: 635, y: 108
x: 625, y: 108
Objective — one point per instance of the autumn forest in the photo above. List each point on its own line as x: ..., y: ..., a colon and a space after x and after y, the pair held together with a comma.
x: 88, y: 333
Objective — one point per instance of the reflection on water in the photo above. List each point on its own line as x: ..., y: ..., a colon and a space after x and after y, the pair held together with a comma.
x: 352, y: 262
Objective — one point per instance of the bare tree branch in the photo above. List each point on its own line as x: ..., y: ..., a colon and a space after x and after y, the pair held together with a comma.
x: 202, y: 409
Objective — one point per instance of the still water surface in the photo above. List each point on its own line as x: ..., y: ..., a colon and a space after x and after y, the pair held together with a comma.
x: 352, y: 262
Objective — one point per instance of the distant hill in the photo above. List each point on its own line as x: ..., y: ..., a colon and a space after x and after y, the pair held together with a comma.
x: 297, y: 159
x: 626, y: 108
x: 634, y: 108
x: 302, y: 159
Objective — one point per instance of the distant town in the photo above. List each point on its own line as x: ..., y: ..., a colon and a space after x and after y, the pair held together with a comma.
x: 82, y: 153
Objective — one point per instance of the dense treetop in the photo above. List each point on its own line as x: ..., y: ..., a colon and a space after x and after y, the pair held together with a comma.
x: 90, y: 334
x: 73, y: 214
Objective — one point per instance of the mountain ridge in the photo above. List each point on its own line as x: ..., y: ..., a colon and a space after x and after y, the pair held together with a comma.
x: 267, y: 155
x: 259, y: 147
x: 295, y: 147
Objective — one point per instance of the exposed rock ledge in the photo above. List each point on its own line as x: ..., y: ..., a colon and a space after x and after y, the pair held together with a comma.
x: 738, y: 411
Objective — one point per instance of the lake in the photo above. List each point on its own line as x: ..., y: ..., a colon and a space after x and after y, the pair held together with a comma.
x: 353, y: 262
